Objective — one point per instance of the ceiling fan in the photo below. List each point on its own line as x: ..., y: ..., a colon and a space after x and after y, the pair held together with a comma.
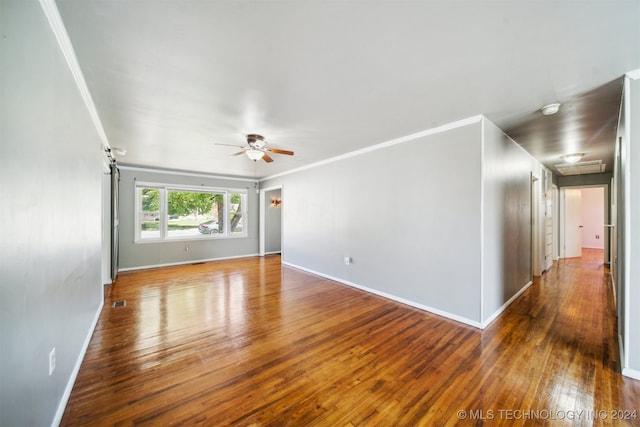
x: 256, y: 149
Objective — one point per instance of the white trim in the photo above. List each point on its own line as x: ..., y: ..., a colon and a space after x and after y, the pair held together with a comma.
x: 631, y: 373
x: 190, y: 187
x: 164, y: 190
x: 627, y: 221
x: 621, y: 351
x: 607, y: 216
x: 262, y: 220
x: 53, y: 16
x: 261, y: 223
x: 395, y: 298
x: 275, y: 187
x: 499, y: 311
x: 181, y: 173
x: 76, y: 368
x: 396, y: 141
x: 194, y: 261
x: 482, y: 204
x: 634, y: 74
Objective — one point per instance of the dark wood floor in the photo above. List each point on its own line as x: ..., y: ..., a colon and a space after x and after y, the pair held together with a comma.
x: 249, y: 342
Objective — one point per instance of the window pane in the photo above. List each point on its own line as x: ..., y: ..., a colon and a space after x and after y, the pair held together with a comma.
x: 236, y: 213
x: 149, y: 213
x: 191, y: 213
x: 163, y: 212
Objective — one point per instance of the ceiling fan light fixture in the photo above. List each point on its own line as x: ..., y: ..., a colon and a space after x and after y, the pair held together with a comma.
x: 572, y: 158
x: 550, y: 109
x: 254, y: 154
x: 255, y: 140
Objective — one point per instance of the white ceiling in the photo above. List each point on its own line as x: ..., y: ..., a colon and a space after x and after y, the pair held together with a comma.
x: 323, y: 78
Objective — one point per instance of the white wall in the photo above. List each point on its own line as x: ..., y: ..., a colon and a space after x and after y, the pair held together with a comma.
x: 593, y: 218
x: 50, y: 220
x: 410, y: 223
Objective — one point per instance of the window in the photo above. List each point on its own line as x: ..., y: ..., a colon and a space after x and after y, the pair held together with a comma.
x: 238, y: 202
x: 168, y: 212
x: 148, y: 207
x: 190, y: 213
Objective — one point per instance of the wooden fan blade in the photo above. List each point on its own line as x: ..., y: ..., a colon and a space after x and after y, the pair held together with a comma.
x: 278, y: 151
x: 266, y: 158
x: 238, y: 153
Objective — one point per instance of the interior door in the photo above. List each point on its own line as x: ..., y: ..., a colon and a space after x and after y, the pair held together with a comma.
x: 572, y: 223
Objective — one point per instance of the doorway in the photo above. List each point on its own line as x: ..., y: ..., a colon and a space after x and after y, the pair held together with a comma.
x: 271, y: 219
x: 583, y: 219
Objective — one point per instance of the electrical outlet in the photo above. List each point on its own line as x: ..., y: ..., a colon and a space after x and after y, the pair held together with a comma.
x: 597, y: 236
x: 52, y: 361
x: 186, y: 248
x: 347, y: 260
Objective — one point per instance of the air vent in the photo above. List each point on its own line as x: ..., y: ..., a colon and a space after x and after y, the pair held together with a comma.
x: 117, y: 304
x: 581, y: 168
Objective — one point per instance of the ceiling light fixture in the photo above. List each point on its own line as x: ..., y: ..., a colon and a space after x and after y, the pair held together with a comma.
x: 572, y: 158
x: 550, y: 109
x: 254, y: 154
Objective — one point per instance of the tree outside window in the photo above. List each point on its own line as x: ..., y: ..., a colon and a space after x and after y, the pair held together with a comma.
x: 183, y: 213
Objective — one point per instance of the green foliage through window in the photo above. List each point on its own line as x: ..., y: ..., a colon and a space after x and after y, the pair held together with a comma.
x: 150, y: 200
x: 183, y: 213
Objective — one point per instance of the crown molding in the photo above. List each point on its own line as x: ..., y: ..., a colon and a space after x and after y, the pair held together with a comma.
x: 182, y: 173
x: 396, y: 141
x: 53, y: 16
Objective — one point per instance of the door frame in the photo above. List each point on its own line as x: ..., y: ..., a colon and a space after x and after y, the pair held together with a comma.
x: 263, y: 204
x: 607, y: 215
x: 556, y: 227
x: 106, y: 227
x: 534, y: 229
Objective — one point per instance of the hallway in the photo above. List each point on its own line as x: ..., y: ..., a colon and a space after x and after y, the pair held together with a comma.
x: 250, y: 342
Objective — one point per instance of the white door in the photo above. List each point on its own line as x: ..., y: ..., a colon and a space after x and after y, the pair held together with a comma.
x: 548, y: 236
x: 572, y: 230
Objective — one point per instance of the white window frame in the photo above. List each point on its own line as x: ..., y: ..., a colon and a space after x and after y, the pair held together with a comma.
x: 245, y: 201
x: 163, y: 212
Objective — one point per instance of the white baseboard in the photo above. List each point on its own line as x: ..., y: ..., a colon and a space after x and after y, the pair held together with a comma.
x: 631, y: 373
x: 499, y: 311
x: 627, y: 372
x: 193, y: 261
x: 76, y: 368
x: 391, y: 297
x: 621, y: 350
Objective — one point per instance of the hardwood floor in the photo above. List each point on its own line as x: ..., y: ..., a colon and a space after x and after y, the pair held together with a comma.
x: 249, y: 342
